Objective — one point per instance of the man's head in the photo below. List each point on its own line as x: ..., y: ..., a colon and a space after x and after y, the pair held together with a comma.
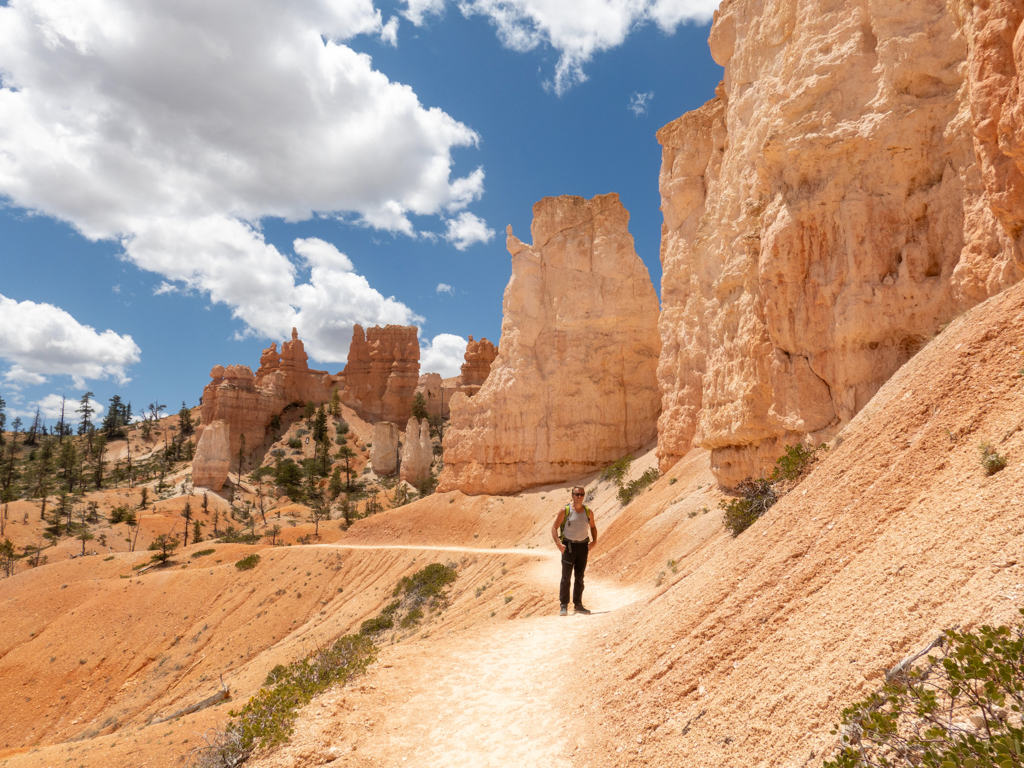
x: 578, y: 493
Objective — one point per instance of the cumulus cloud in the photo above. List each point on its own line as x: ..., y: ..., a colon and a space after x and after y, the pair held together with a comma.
x: 444, y: 354
x: 466, y: 229
x: 445, y: 288
x: 639, y: 102
x: 49, y: 409
x: 176, y: 127
x: 577, y: 29
x: 41, y: 340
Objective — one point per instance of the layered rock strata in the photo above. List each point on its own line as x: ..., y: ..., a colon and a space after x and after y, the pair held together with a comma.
x: 417, y: 453
x: 854, y: 184
x: 436, y: 395
x: 384, y: 451
x: 573, y: 386
x: 382, y: 372
x: 479, y: 357
x: 244, y: 403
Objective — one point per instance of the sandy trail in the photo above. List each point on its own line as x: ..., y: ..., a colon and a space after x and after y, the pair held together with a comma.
x: 497, y: 694
x: 426, y: 548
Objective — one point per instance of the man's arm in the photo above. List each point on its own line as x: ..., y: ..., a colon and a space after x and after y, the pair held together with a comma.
x: 554, y: 530
x: 593, y: 531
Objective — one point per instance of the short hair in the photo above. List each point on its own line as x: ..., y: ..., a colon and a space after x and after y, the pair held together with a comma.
x: 579, y: 488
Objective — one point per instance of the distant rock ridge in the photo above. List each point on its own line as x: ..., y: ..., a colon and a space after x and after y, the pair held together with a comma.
x: 382, y: 372
x: 238, y: 403
x: 479, y: 357
x: 573, y: 386
x: 857, y: 181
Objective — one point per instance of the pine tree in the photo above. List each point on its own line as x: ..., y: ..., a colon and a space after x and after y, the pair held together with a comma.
x: 336, y: 403
x: 186, y: 512
x: 419, y: 407
x: 3, y: 419
x: 86, y: 411
x: 36, y: 429
x: 99, y: 461
x: 185, y: 423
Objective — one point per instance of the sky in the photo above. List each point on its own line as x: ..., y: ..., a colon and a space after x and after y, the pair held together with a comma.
x: 182, y: 182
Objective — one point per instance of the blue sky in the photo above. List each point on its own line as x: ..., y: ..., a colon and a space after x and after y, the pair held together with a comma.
x: 182, y: 183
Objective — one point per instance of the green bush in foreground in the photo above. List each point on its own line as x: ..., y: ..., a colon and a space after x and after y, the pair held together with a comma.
x: 960, y: 708
x: 268, y: 718
x: 991, y: 459
x: 247, y: 563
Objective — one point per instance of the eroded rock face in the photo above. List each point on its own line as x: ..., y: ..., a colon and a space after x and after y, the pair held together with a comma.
x: 213, y: 457
x: 417, y: 453
x: 382, y: 372
x: 573, y: 386
x: 479, y: 357
x: 844, y: 194
x: 244, y: 403
x: 435, y: 394
x: 384, y: 451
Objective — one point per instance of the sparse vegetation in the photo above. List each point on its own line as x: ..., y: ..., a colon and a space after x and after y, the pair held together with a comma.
x: 633, y: 489
x: 960, y: 706
x: 991, y: 459
x: 202, y: 553
x: 248, y: 563
x: 616, y: 472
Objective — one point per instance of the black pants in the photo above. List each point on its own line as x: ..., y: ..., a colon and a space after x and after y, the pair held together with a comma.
x: 576, y: 560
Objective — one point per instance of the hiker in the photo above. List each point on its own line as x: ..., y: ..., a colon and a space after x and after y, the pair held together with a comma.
x: 570, y: 531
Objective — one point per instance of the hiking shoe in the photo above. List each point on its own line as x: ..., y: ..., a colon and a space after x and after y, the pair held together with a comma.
x: 581, y: 609
x: 564, y: 610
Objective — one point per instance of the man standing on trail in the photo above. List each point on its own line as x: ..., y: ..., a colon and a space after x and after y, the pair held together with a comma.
x: 570, y: 532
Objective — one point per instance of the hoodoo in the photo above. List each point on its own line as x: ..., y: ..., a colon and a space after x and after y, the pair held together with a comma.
x: 851, y: 187
x: 382, y: 372
x: 573, y: 386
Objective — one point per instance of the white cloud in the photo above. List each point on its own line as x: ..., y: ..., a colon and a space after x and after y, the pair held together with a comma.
x: 389, y: 32
x: 445, y: 288
x: 577, y: 29
x: 176, y: 127
x: 639, y: 102
x: 444, y: 355
x: 41, y: 340
x: 49, y: 409
x: 466, y: 229
x: 417, y: 10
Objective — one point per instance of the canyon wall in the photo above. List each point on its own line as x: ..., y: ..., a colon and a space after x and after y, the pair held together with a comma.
x: 382, y: 372
x: 573, y: 386
x: 242, y: 404
x: 854, y: 184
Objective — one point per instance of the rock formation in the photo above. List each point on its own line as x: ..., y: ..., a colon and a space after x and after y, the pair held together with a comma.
x: 382, y: 372
x: 384, y: 451
x: 479, y: 357
x: 417, y: 453
x: 243, y: 404
x: 574, y: 384
x: 436, y: 395
x: 213, y: 456
x: 852, y: 186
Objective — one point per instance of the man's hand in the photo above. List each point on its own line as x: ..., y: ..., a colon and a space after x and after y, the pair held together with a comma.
x: 560, y: 545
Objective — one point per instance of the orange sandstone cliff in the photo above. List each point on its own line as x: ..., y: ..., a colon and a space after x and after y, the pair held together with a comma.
x: 854, y: 184
x: 382, y: 372
x: 573, y: 386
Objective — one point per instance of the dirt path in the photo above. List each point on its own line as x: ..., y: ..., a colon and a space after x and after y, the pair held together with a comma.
x: 495, y: 695
x: 420, y: 548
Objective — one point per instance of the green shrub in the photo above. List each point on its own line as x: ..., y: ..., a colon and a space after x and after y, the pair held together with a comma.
x: 631, y: 490
x: 991, y: 460
x: 794, y: 461
x: 121, y: 514
x: 203, y: 553
x: 616, y: 472
x: 268, y: 718
x: 960, y: 707
x: 342, y: 427
x: 756, y: 498
x: 426, y: 586
x: 294, y: 442
x: 248, y: 563
x: 231, y: 536
x: 377, y: 624
x: 412, y: 618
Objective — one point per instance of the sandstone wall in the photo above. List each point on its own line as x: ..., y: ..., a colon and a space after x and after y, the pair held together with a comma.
x: 573, y: 386
x: 854, y: 184
x: 243, y: 404
x: 417, y: 453
x: 382, y: 372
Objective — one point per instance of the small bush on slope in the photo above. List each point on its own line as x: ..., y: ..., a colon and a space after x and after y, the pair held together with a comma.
x: 961, y: 708
x: 757, y: 496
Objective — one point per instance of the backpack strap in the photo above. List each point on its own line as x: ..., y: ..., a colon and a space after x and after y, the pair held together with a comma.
x: 565, y: 519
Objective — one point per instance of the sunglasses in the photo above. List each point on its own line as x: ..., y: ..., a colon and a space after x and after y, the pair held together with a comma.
x: 577, y: 494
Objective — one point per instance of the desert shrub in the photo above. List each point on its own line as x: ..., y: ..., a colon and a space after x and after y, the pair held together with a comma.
x: 616, y: 472
x: 248, y: 563
x: 231, y: 536
x: 268, y: 718
x: 960, y: 706
x: 342, y: 427
x: 756, y: 497
x: 302, y: 432
x: 377, y: 624
x: 412, y: 618
x: 121, y: 514
x: 794, y: 461
x: 294, y: 442
x: 203, y: 553
x: 631, y: 490
x: 426, y: 587
x: 991, y: 460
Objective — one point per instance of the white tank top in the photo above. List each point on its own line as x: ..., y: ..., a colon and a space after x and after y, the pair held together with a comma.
x: 577, y: 527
